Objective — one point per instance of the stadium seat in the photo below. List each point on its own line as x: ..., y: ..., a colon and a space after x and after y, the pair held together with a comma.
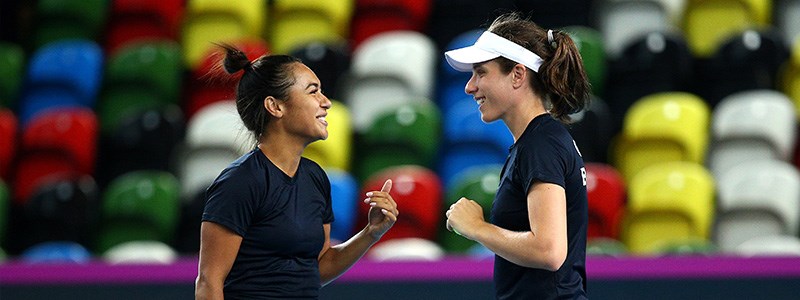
x: 789, y: 82
x: 757, y: 124
x: 61, y: 74
x: 389, y: 69
x: 668, y: 202
x: 58, y: 20
x: 142, y: 20
x: 787, y: 20
x: 658, y: 62
x: 337, y: 150
x: 373, y: 17
x: 407, y: 135
x: 209, y: 84
x: 745, y: 61
x: 770, y: 245
x: 213, y: 21
x: 605, y: 189
x: 445, y: 23
x: 55, y: 145
x: 292, y: 19
x: 406, y: 249
x: 8, y: 137
x: 688, y: 247
x: 603, y: 246
x: 558, y: 13
x: 477, y: 183
x: 708, y: 23
x: 418, y: 194
x: 757, y: 198
x: 64, y: 210
x: 625, y: 21
x: 344, y: 198
x: 591, y: 129
x: 139, y: 77
x: 187, y: 234
x: 215, y: 137
x: 12, y: 64
x: 590, y: 44
x: 670, y: 126
x: 147, y: 140
x: 140, y: 205
x: 329, y: 61
x: 451, y: 82
x: 467, y: 141
x: 140, y: 252
x: 56, y: 252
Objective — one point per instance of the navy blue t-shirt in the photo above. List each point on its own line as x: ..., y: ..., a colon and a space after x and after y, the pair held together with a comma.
x: 545, y: 152
x: 280, y: 220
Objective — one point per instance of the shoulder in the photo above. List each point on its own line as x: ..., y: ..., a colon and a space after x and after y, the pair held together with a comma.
x: 247, y: 169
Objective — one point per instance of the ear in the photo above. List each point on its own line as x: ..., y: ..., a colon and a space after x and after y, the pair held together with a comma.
x: 519, y: 75
x: 273, y: 106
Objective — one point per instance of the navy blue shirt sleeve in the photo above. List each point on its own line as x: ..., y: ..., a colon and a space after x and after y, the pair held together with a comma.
x: 543, y: 162
x: 232, y: 200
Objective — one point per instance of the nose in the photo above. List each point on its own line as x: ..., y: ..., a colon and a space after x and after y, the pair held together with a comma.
x: 325, y: 103
x: 471, y: 87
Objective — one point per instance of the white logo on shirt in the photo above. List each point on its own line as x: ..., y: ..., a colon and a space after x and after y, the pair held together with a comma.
x: 576, y: 148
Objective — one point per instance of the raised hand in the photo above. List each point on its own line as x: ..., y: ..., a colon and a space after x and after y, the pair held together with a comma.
x: 383, y: 211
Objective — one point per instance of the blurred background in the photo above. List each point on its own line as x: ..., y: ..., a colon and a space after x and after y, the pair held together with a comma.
x: 113, y: 121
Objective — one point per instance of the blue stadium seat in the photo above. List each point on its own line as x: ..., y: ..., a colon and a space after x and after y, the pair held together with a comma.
x: 344, y: 197
x: 451, y: 82
x: 62, y: 74
x: 56, y: 252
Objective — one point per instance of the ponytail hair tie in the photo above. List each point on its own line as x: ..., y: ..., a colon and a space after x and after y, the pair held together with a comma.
x: 551, y: 39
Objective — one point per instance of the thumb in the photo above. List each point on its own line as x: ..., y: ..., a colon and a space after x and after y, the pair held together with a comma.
x: 387, y: 186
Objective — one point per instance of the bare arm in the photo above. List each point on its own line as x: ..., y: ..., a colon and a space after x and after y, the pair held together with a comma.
x: 218, y: 249
x: 335, y: 260
x: 543, y: 247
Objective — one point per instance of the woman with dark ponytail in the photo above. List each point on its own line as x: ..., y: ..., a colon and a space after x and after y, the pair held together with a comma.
x: 266, y: 224
x: 530, y: 78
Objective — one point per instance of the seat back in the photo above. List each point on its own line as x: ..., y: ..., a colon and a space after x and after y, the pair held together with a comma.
x: 591, y: 129
x: 590, y: 44
x: 409, y: 134
x: 139, y: 205
x: 708, y: 23
x: 751, y: 125
x: 344, y: 198
x: 64, y: 210
x: 605, y: 189
x: 12, y: 64
x: 666, y: 202
x: 8, y: 137
x: 757, y: 197
x: 622, y: 22
x: 372, y: 17
x: 291, y: 20
x: 138, y: 20
x: 662, y: 127
x: 329, y: 61
x: 62, y: 20
x: 56, y: 252
x: 207, y: 21
x: 62, y: 74
x: 141, y: 252
x: 770, y: 245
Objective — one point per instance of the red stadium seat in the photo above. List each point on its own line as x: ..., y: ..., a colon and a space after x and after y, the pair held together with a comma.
x: 8, y: 138
x: 375, y: 16
x: 606, y: 191
x: 210, y: 84
x: 132, y: 20
x: 418, y: 193
x: 57, y: 144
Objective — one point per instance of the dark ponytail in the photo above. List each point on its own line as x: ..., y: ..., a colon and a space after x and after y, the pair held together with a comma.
x: 268, y: 75
x: 561, y: 80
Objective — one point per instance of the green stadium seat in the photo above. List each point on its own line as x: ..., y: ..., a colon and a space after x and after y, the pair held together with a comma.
x: 12, y: 65
x: 5, y: 204
x: 590, y: 44
x: 477, y: 183
x: 64, y: 19
x: 139, y: 77
x: 140, y: 205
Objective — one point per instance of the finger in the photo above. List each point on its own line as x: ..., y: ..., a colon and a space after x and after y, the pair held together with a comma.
x: 387, y: 186
x: 447, y: 225
x: 389, y: 215
x: 447, y: 213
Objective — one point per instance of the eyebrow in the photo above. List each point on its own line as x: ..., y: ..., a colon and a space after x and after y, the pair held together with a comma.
x: 477, y: 66
x: 313, y: 84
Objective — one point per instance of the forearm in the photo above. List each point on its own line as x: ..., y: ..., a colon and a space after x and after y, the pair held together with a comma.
x: 523, y: 248
x: 338, y: 259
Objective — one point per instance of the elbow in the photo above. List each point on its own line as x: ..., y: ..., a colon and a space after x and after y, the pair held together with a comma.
x: 554, y: 257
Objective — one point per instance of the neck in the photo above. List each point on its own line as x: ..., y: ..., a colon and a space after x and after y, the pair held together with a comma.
x: 283, y: 151
x: 517, y: 119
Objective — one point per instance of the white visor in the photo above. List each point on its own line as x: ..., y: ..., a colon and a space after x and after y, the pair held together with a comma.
x: 490, y: 46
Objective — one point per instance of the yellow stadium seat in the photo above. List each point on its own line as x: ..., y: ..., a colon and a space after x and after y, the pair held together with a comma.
x: 298, y: 22
x: 669, y: 126
x: 210, y: 21
x: 668, y: 203
x: 706, y: 23
x: 335, y: 151
x: 790, y: 77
